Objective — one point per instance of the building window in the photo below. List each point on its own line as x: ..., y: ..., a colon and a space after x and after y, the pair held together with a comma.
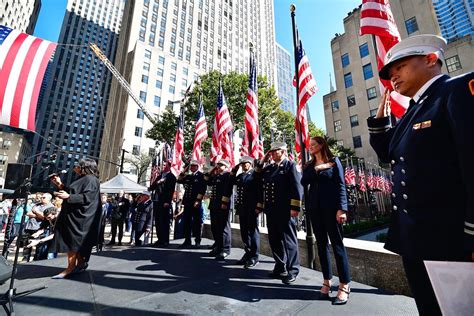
x: 144, y: 79
x: 161, y: 60
x: 6, y: 144
x: 159, y: 72
x: 368, y: 73
x: 354, y: 120
x: 335, y: 105
x: 373, y: 112
x: 174, y: 66
x: 357, y: 141
x: 337, y: 126
x: 348, y: 80
x: 364, y: 50
x: 158, y: 84
x: 453, y: 63
x: 173, y: 77
x: 171, y: 89
x: 345, y: 60
x: 136, y: 150
x: 3, y: 159
x: 138, y: 131
x: 351, y: 100
x: 143, y: 96
x: 371, y: 93
x: 147, y: 53
x: 140, y: 114
x: 157, y: 101
x: 411, y: 25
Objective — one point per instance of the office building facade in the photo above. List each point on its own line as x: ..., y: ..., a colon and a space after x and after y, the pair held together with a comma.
x: 164, y: 46
x: 286, y: 93
x: 455, y: 18
x: 20, y: 14
x: 71, y: 115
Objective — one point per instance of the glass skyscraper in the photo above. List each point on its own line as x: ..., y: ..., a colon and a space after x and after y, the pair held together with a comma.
x: 455, y: 18
x: 71, y: 115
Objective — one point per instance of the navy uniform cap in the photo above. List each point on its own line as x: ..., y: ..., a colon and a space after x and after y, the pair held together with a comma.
x: 277, y: 146
x: 245, y: 159
x: 418, y: 45
x: 194, y: 162
x: 224, y: 162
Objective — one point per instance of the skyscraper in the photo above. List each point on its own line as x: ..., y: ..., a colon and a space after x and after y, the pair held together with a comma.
x: 70, y: 118
x: 455, y: 18
x: 165, y: 45
x: 20, y: 15
x: 285, y: 78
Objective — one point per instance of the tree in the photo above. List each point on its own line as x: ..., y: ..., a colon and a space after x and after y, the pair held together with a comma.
x: 140, y: 163
x: 273, y: 120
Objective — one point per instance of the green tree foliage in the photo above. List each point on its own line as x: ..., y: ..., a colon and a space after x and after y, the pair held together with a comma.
x: 273, y: 120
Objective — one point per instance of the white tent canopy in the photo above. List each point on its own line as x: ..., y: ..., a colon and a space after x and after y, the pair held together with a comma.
x: 121, y: 182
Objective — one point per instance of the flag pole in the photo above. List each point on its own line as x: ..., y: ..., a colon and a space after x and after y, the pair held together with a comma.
x: 310, y: 239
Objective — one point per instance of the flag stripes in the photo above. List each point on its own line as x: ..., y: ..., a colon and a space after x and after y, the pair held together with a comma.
x: 200, y: 134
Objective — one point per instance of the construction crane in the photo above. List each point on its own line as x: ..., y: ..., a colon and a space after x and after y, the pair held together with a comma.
x: 121, y: 80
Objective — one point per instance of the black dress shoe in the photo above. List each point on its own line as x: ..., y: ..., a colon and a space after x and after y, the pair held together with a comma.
x: 277, y: 275
x: 212, y: 246
x: 214, y: 252
x: 222, y: 255
x: 251, y: 263
x: 197, y: 245
x: 185, y: 245
x: 289, y: 279
x: 111, y: 243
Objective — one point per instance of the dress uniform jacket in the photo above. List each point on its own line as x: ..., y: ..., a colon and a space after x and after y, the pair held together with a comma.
x: 194, y: 187
x: 164, y: 189
x: 143, y: 216
x: 247, y: 191
x: 282, y: 191
x: 219, y: 190
x: 430, y: 151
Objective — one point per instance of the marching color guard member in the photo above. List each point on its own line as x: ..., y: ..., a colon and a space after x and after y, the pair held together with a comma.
x: 430, y: 151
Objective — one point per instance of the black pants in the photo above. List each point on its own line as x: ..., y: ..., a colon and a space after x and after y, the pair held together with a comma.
x: 140, y: 229
x: 192, y: 221
x: 284, y: 244
x: 162, y: 223
x: 420, y: 286
x: 27, y: 238
x: 223, y: 233
x: 249, y: 232
x: 324, y: 224
x: 117, y: 223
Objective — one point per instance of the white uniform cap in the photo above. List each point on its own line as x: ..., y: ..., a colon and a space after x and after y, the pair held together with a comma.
x: 418, y: 45
x: 278, y: 145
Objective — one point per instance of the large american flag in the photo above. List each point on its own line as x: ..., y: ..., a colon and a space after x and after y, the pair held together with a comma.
x: 222, y: 136
x: 23, y: 62
x: 251, y: 137
x: 244, y: 148
x: 155, y: 169
x: 362, y: 185
x: 178, y: 148
x: 306, y: 89
x: 200, y: 134
x: 376, y: 18
x: 349, y: 175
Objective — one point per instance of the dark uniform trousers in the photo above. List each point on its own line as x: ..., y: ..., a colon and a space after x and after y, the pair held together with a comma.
x: 163, y: 189
x: 194, y: 189
x: 245, y: 204
x: 281, y: 193
x: 432, y: 199
x: 220, y: 218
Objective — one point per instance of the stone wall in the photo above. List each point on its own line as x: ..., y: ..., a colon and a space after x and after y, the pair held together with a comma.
x: 369, y: 262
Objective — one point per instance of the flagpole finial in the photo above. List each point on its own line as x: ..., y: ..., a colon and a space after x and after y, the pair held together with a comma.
x: 292, y: 8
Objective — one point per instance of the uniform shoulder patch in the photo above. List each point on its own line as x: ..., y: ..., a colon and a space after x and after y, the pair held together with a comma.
x: 471, y: 86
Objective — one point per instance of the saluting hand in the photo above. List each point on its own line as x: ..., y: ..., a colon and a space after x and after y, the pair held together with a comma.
x: 384, y: 106
x: 341, y: 216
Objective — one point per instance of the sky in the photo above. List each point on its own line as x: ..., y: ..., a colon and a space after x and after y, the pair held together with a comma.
x: 317, y: 21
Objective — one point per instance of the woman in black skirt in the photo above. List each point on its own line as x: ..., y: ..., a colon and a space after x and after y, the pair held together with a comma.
x: 326, y: 204
x: 77, y: 227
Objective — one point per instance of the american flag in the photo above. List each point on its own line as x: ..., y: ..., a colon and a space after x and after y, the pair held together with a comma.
x: 376, y: 18
x: 362, y: 185
x: 251, y: 112
x: 349, y: 175
x: 244, y: 148
x: 306, y: 89
x: 155, y: 169
x: 370, y: 181
x: 201, y: 133
x: 223, y: 130
x: 23, y: 62
x: 178, y: 148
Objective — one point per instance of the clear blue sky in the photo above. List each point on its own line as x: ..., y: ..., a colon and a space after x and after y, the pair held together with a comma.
x: 317, y: 20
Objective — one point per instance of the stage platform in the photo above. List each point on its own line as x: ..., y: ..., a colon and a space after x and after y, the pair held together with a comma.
x: 152, y: 281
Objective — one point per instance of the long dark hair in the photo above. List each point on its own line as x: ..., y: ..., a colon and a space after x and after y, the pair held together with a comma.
x: 88, y: 166
x: 325, y: 151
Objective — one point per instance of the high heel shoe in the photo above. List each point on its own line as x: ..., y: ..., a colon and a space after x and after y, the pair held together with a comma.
x: 61, y: 276
x: 325, y: 296
x: 338, y: 301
